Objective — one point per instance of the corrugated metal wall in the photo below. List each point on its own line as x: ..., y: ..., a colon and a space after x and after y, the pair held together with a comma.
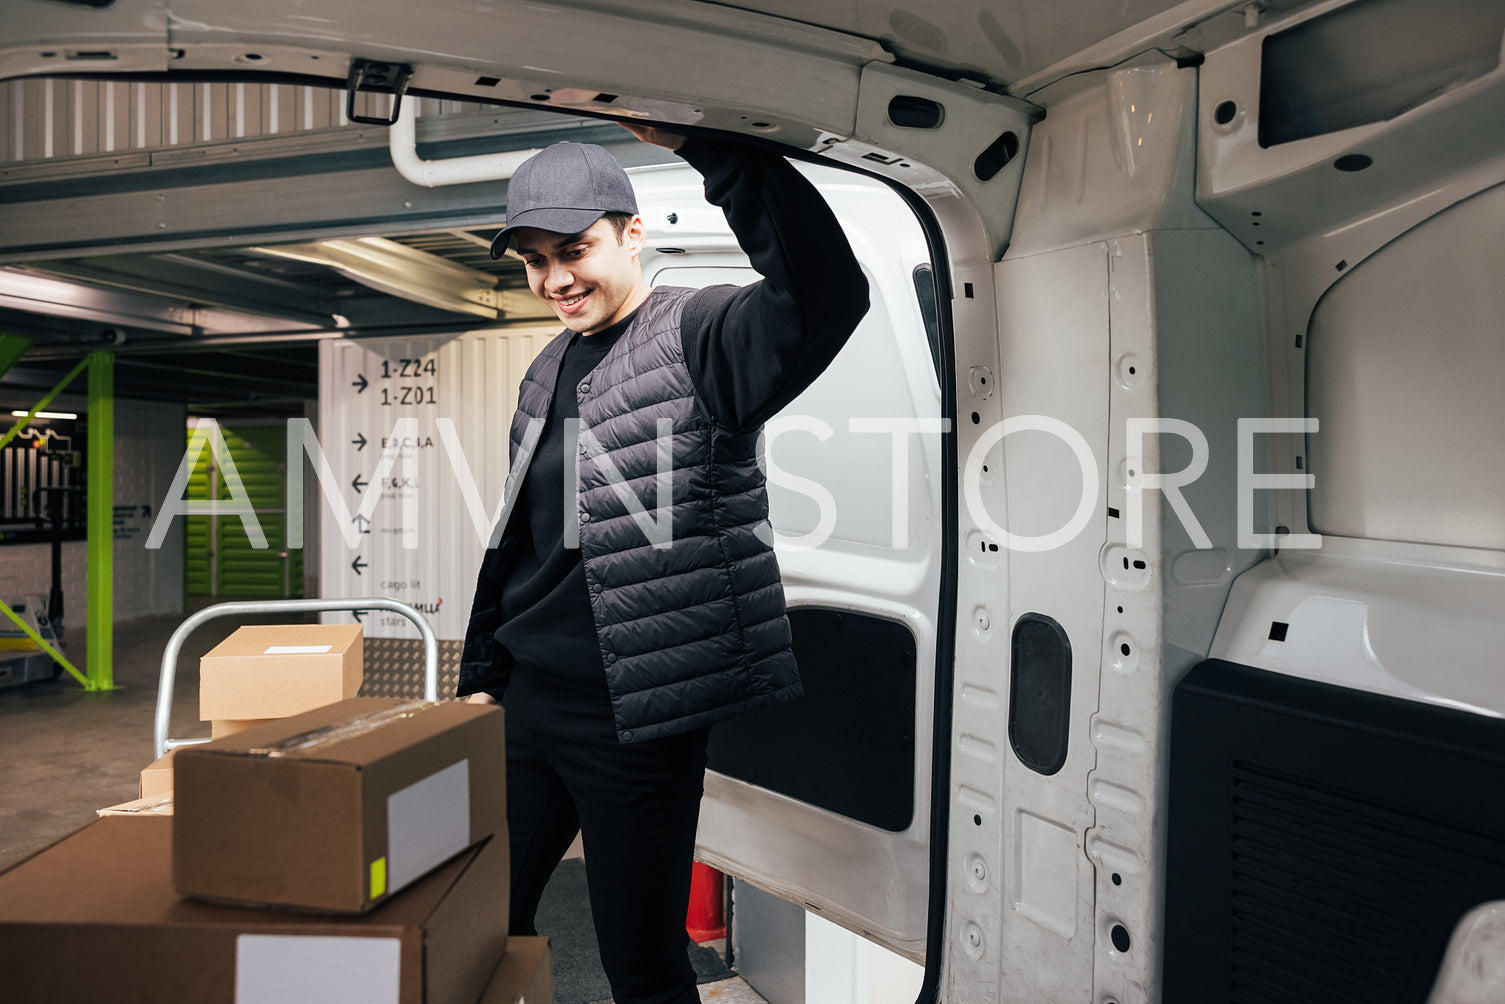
x: 44, y: 119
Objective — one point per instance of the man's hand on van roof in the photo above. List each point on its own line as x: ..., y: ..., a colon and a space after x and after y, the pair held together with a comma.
x: 656, y: 136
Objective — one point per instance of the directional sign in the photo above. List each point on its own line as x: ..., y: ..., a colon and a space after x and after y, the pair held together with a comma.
x: 428, y: 516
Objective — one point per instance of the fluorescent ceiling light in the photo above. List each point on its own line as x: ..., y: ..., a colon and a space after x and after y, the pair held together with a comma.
x: 45, y: 414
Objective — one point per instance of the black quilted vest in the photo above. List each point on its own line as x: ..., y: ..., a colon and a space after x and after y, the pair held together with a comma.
x: 674, y: 536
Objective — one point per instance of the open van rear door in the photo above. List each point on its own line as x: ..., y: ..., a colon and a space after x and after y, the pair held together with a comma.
x: 825, y: 801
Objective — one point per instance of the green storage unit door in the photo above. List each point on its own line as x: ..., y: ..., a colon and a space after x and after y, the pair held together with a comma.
x: 198, y: 563
x: 218, y: 551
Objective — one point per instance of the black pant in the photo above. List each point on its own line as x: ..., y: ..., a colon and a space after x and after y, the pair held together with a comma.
x: 635, y: 805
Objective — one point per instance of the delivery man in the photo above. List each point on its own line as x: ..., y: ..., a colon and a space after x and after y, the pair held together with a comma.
x: 630, y: 597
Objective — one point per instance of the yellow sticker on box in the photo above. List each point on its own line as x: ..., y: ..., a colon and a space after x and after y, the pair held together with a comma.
x: 378, y: 877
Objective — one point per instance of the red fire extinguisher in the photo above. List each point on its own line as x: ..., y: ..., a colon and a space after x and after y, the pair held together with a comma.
x: 706, y: 919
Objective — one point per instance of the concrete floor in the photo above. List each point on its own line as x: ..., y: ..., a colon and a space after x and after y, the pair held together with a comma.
x: 65, y: 753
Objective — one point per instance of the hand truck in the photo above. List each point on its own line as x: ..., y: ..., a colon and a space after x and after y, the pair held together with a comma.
x: 175, y: 645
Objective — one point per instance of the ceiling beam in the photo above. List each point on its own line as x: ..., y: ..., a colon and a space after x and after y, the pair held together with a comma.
x: 234, y: 199
x: 398, y: 270
x: 180, y: 277
x: 57, y: 298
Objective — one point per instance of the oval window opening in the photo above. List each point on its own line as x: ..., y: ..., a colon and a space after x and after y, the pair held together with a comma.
x: 910, y: 112
x: 1040, y: 693
x: 992, y: 160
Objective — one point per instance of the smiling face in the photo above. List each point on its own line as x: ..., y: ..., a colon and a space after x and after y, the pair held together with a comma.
x: 592, y: 279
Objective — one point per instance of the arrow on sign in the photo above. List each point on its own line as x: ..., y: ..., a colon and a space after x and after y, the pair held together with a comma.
x: 359, y: 383
x: 360, y: 520
x: 357, y: 564
x: 358, y: 484
x: 359, y: 442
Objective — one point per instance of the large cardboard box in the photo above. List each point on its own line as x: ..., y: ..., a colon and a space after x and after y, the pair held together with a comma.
x: 524, y: 976
x: 337, y: 808
x: 276, y: 670
x: 95, y: 918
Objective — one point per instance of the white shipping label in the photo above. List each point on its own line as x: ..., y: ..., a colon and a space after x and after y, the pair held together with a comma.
x: 297, y: 649
x: 428, y: 822
x: 289, y: 969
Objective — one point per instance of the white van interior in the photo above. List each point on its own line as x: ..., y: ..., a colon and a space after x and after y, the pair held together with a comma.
x: 1145, y: 547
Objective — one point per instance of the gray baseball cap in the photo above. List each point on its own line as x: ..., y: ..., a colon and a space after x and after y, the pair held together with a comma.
x: 564, y: 189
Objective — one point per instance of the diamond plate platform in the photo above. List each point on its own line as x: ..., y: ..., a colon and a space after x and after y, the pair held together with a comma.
x: 394, y: 668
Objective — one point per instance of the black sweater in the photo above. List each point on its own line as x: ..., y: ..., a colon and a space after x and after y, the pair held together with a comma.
x: 750, y: 351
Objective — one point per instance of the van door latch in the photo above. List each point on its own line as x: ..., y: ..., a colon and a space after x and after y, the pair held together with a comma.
x: 376, y: 78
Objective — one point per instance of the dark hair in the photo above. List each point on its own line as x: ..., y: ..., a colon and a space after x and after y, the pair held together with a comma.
x: 618, y: 222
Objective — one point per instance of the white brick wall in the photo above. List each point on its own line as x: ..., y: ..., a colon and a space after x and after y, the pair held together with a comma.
x: 149, y: 441
x: 27, y: 568
x: 150, y: 438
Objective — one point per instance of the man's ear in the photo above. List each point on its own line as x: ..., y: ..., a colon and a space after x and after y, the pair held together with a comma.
x: 635, y: 235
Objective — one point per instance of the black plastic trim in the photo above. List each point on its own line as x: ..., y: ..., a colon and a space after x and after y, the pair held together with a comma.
x: 1323, y: 842
x: 848, y: 745
x: 945, y: 645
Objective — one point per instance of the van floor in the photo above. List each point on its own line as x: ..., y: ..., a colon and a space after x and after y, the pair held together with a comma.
x: 68, y: 752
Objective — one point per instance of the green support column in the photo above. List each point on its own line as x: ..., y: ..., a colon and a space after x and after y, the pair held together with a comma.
x: 101, y: 505
x: 12, y: 348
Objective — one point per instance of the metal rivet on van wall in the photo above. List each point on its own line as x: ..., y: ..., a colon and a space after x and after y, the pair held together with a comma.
x: 1122, y: 655
x: 977, y: 873
x: 980, y: 380
x: 973, y: 942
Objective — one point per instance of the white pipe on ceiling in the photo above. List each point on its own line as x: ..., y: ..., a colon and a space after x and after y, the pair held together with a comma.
x: 402, y: 140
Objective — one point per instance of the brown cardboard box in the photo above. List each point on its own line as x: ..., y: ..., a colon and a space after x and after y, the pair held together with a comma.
x: 337, y: 808
x: 156, y: 777
x: 95, y: 918
x: 524, y: 976
x: 222, y: 727
x: 276, y: 670
x: 152, y: 805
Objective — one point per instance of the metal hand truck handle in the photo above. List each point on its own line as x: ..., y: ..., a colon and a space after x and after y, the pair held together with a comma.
x: 175, y: 644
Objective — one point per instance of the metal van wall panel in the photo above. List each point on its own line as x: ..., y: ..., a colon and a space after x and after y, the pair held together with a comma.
x: 1419, y: 323
x: 1046, y: 877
